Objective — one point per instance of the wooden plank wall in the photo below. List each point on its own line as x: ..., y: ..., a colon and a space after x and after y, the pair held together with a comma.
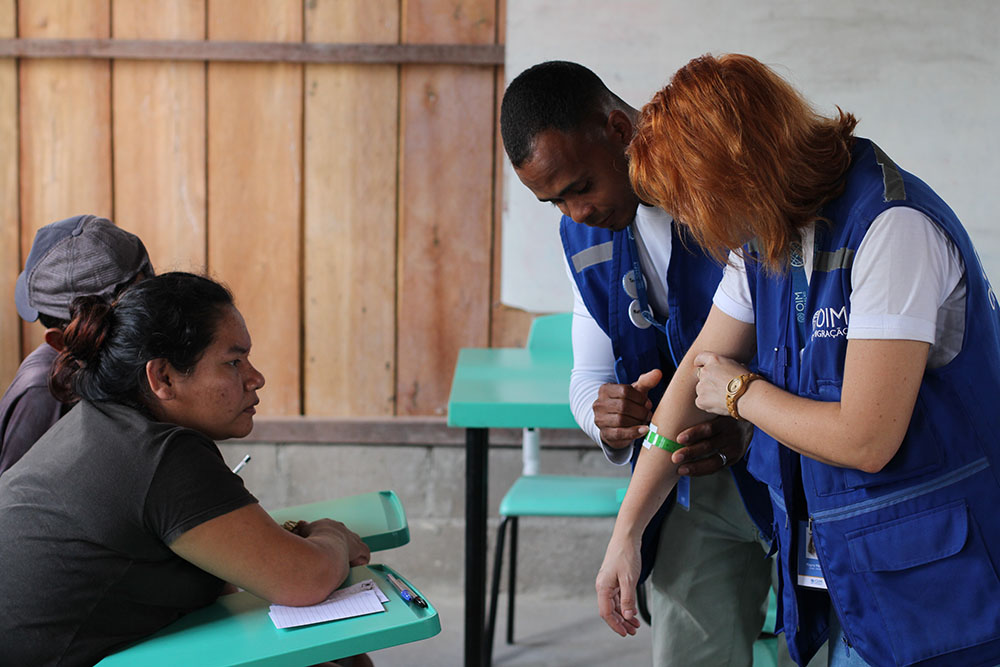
x: 255, y: 187
x: 159, y: 135
x: 351, y: 149
x: 10, y: 241
x: 509, y: 326
x: 65, y: 124
x: 447, y: 135
x: 354, y: 209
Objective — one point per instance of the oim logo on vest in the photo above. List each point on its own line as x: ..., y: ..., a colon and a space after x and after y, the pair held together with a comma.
x: 829, y: 323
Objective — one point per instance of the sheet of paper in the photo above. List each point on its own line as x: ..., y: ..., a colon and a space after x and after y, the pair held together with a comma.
x: 357, y: 600
x: 362, y: 586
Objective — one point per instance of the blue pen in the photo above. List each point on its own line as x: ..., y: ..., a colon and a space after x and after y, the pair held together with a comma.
x: 405, y: 592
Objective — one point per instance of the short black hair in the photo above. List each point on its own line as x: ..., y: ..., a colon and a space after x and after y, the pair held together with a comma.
x: 50, y: 322
x: 556, y: 95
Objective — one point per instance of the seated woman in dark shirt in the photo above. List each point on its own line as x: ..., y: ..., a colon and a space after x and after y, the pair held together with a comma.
x: 124, y: 516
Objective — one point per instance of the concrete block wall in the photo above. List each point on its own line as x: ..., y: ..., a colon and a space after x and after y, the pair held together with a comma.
x: 557, y: 557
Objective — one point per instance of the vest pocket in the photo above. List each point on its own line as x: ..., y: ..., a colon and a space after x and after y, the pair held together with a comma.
x: 763, y: 462
x: 932, y: 582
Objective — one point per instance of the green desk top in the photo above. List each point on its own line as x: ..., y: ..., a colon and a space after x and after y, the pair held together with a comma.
x: 511, y: 387
x: 236, y: 630
x: 378, y: 517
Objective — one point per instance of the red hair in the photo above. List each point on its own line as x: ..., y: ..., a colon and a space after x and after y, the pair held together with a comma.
x: 731, y: 150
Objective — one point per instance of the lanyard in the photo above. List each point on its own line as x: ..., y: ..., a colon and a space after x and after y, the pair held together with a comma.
x: 639, y: 308
x: 642, y: 316
x: 800, y: 289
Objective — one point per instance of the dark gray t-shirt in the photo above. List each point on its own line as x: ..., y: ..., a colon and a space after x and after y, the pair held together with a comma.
x: 28, y: 409
x: 85, y: 520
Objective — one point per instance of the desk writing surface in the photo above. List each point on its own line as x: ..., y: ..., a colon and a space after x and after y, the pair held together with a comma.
x: 510, y: 387
x: 378, y: 517
x: 236, y: 630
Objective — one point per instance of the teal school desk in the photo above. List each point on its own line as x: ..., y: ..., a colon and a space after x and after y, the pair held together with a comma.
x: 378, y: 517
x: 498, y: 388
x: 236, y: 630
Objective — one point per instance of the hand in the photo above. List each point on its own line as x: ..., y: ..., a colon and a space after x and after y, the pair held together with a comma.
x: 714, y: 373
x: 616, y: 582
x: 704, y: 442
x: 623, y: 411
x: 358, y: 552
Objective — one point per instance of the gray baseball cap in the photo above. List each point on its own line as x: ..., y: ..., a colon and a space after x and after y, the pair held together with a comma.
x: 79, y: 256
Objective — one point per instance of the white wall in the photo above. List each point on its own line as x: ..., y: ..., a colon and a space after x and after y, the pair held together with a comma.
x: 923, y: 77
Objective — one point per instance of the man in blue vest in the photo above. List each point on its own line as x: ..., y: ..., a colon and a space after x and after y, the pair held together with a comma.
x: 642, y: 292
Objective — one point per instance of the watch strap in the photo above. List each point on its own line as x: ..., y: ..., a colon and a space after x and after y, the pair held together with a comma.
x: 733, y: 397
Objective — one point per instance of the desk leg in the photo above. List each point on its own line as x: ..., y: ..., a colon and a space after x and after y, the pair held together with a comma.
x: 476, y: 477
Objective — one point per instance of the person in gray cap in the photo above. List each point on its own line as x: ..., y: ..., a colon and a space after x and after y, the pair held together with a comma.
x: 80, y: 256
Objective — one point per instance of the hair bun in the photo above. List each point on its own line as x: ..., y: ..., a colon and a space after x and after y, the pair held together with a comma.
x: 83, y: 340
x: 89, y: 329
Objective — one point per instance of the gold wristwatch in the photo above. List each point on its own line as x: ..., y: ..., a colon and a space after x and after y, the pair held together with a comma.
x: 736, y: 388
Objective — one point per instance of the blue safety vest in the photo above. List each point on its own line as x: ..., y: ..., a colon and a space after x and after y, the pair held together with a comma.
x: 910, y: 554
x: 599, y: 258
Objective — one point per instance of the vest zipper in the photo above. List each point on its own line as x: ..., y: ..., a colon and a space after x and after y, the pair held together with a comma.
x: 866, y: 506
x: 781, y: 365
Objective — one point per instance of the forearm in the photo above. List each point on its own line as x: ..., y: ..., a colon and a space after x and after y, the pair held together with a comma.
x: 593, y: 366
x: 246, y: 548
x: 652, y: 480
x: 583, y: 389
x: 823, y: 431
x: 655, y: 472
x: 865, y: 428
x: 308, y: 571
x: 812, y: 428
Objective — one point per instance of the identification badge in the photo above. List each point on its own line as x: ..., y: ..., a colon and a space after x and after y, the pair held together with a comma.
x: 810, y: 572
x: 684, y: 492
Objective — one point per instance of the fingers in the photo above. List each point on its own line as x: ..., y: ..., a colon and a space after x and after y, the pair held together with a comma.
x: 623, y: 399
x: 703, y: 457
x: 295, y: 527
x: 609, y: 605
x: 705, y: 358
x: 606, y: 600
x: 362, y: 554
x: 648, y: 381
x: 706, y: 466
x: 696, y: 433
x: 629, y: 609
x: 622, y: 413
x: 698, y: 450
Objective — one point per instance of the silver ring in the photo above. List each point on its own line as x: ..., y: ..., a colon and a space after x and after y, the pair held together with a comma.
x: 725, y: 461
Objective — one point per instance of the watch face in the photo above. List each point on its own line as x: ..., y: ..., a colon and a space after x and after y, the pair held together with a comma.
x: 734, y: 385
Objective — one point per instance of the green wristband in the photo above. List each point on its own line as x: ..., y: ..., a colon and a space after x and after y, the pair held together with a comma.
x: 658, y: 440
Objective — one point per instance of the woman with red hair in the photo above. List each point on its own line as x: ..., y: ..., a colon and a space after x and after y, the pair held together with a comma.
x: 875, y: 338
